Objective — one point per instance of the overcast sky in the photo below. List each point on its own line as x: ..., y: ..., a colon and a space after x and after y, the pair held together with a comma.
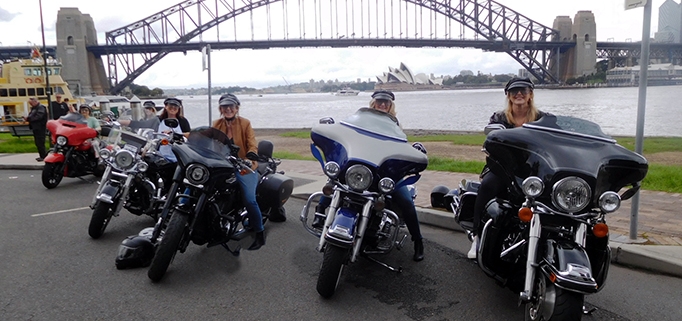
x: 20, y: 25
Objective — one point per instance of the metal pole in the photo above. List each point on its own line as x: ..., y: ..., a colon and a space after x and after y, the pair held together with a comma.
x: 208, y: 64
x: 641, y: 104
x: 48, y: 90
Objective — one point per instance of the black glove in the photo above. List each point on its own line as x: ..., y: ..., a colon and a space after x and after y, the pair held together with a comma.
x: 252, y: 156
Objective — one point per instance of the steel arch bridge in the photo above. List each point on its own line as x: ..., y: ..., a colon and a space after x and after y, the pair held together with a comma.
x: 133, y: 49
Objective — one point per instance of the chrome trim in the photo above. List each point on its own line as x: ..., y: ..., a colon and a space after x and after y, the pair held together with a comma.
x: 604, y: 139
x: 304, y: 214
x: 362, y: 226
x: 331, y: 213
x: 581, y: 234
x: 533, y: 237
x: 512, y: 248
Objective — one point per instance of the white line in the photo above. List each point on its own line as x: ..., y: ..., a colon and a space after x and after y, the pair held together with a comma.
x: 62, y: 211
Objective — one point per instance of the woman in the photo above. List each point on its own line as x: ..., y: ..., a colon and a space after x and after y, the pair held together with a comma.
x: 239, y: 130
x: 382, y: 100
x: 86, y: 111
x: 520, y: 110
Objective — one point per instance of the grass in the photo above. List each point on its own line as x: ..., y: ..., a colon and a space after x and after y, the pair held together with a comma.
x: 13, y: 145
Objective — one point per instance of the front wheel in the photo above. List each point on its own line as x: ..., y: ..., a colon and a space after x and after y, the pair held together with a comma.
x: 168, y: 246
x: 52, y: 175
x: 554, y: 304
x: 330, y: 272
x: 101, y: 216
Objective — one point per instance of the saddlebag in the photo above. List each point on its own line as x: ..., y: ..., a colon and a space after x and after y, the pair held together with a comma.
x: 274, y: 190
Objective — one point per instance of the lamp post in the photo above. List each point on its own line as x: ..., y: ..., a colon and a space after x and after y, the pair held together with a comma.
x: 48, y: 89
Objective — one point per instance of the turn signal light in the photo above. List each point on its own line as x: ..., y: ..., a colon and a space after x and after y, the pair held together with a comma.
x: 525, y: 214
x: 328, y: 189
x: 552, y: 277
x: 164, y: 142
x: 600, y: 230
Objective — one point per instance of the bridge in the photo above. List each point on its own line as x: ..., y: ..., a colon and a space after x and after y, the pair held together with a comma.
x: 548, y: 53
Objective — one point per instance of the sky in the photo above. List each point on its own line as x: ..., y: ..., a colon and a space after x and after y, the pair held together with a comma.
x: 272, y: 67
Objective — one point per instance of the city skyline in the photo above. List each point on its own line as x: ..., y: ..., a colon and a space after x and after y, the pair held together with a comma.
x: 263, y: 68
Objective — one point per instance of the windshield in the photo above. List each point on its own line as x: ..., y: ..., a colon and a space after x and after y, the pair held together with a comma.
x: 210, y: 139
x: 375, y: 122
x: 570, y: 125
x: 121, y: 137
x: 75, y: 118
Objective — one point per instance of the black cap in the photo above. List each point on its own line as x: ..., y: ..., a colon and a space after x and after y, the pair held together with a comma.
x: 518, y: 83
x: 149, y: 104
x: 228, y: 99
x: 173, y: 101
x: 383, y: 94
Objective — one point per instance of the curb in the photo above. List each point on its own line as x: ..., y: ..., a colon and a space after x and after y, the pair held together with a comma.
x: 22, y: 166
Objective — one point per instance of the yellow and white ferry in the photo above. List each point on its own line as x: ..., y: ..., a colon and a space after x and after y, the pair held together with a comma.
x: 24, y: 78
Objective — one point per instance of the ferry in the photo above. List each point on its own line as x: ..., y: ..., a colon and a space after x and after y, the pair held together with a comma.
x: 21, y: 79
x: 347, y: 92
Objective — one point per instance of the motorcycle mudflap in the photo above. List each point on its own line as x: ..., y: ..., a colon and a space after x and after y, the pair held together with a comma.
x: 561, y: 253
x: 274, y: 190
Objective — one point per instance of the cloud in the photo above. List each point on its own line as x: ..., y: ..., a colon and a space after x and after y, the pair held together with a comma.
x: 6, y: 15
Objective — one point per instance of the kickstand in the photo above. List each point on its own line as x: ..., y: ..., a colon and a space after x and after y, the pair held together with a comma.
x: 398, y: 269
x: 235, y: 252
x: 587, y: 311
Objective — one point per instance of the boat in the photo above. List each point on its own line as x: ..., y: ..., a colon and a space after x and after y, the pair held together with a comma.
x: 21, y: 79
x: 347, y: 92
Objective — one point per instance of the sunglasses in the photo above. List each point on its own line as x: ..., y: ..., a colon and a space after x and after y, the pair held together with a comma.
x: 383, y: 102
x: 233, y: 107
x: 172, y: 106
x: 523, y: 91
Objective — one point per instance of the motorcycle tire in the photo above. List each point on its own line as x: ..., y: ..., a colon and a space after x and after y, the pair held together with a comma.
x: 168, y: 246
x: 101, y: 216
x: 330, y: 272
x: 568, y: 305
x: 51, y: 175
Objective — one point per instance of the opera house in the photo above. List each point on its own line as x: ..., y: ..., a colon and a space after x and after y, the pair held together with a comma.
x: 403, y: 79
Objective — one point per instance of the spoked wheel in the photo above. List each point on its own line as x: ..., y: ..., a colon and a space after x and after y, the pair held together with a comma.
x: 52, y: 176
x: 330, y: 272
x: 101, y: 216
x: 553, y: 303
x: 168, y: 246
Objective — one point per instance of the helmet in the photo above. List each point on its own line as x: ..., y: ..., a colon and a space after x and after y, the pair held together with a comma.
x: 437, y: 196
x: 108, y: 114
x: 85, y: 107
x: 135, y: 251
x: 518, y: 83
x: 228, y: 99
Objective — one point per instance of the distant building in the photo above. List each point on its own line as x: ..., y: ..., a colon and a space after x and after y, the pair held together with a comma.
x: 658, y: 74
x: 669, y: 22
x: 405, y: 76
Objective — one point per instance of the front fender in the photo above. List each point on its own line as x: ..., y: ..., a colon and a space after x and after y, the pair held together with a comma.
x: 569, y: 264
x: 342, y: 230
x: 109, y: 192
x: 54, y: 158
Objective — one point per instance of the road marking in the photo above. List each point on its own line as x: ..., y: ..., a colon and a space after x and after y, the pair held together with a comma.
x: 62, y: 211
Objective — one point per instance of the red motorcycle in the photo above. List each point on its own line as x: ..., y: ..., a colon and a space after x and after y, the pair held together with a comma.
x: 75, y: 150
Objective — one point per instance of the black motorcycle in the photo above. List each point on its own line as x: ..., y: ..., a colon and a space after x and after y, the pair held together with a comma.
x: 204, y: 203
x: 547, y: 239
x: 136, y: 178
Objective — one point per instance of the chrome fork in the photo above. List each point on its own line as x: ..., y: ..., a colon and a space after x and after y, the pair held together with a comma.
x: 534, y: 237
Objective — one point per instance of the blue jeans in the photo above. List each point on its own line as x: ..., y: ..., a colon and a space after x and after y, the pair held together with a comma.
x: 248, y: 183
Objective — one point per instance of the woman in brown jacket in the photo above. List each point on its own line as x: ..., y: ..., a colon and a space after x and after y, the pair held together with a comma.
x: 239, y: 130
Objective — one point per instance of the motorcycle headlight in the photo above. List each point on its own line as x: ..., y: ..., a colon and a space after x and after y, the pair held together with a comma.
x: 142, y: 166
x: 571, y: 194
x: 386, y: 185
x: 61, y: 140
x: 358, y: 177
x: 197, y: 174
x: 609, y: 202
x: 533, y: 186
x: 124, y: 159
x: 104, y: 153
x: 332, y: 169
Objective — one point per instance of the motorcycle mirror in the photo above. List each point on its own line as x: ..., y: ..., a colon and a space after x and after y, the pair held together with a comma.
x: 171, y: 122
x: 326, y: 120
x: 105, y: 131
x: 630, y: 193
x: 252, y: 156
x: 492, y: 127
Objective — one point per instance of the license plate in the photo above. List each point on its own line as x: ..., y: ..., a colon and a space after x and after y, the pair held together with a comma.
x: 130, y: 148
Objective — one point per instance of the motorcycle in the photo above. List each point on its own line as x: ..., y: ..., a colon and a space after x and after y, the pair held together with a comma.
x: 136, y: 178
x: 204, y: 204
x: 547, y: 239
x: 75, y: 150
x: 366, y: 157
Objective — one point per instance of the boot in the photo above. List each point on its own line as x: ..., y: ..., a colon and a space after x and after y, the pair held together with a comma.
x: 474, y: 248
x: 258, y: 242
x: 418, y: 250
x: 318, y: 221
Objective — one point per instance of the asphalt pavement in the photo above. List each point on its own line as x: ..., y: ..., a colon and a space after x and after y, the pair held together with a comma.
x: 658, y: 247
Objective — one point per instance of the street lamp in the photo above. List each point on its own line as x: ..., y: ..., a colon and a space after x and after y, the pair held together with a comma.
x: 48, y: 89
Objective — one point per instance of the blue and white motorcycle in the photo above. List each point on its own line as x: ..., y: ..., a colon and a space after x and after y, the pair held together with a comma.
x: 366, y: 157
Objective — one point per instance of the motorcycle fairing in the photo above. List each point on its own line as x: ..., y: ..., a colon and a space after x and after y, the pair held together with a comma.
x: 73, y: 126
x: 546, y: 150
x: 370, y: 137
x: 569, y: 263
x: 342, y: 230
x: 207, y: 146
x: 55, y: 158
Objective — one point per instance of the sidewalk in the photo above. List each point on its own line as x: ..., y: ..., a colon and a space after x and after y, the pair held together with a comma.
x: 658, y: 246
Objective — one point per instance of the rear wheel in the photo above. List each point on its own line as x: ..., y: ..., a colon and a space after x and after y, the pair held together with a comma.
x: 554, y: 304
x: 52, y: 176
x: 168, y: 246
x: 101, y: 216
x: 330, y: 272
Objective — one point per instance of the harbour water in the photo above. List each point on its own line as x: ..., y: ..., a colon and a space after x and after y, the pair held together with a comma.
x: 614, y: 109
